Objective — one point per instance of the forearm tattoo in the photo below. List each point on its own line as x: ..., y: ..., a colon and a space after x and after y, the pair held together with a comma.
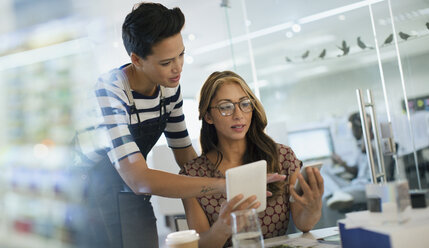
x: 206, y: 189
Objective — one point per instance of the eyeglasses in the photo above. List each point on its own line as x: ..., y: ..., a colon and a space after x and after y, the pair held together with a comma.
x: 227, y: 108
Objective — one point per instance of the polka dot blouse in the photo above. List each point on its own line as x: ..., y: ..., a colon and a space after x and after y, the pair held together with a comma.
x: 274, y: 220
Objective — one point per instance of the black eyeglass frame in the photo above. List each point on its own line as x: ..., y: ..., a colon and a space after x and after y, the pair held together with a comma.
x: 233, y: 104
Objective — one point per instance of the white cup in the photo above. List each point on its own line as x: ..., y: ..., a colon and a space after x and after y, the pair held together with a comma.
x: 182, y: 239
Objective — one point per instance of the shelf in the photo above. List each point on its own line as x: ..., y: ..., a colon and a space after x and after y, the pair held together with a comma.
x: 25, y: 240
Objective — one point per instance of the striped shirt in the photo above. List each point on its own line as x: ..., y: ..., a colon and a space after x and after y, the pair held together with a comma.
x: 115, y: 109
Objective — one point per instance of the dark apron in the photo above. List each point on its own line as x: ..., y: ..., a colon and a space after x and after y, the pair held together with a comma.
x: 121, y: 218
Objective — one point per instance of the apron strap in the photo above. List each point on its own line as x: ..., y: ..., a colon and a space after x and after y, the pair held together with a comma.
x: 127, y: 88
x: 162, y: 89
x: 162, y: 101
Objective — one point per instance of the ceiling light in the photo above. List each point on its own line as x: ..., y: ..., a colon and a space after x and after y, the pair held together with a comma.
x: 45, y: 53
x: 296, y: 28
x: 189, y: 59
x: 337, y: 11
x: 289, y: 34
x: 341, y: 17
x: 283, y: 26
x: 40, y: 151
x: 191, y: 37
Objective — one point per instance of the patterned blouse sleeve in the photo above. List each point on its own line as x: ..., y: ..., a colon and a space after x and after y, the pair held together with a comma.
x: 289, y: 162
x: 184, y: 170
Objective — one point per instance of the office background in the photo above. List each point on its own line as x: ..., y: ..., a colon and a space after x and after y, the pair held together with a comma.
x: 302, y: 58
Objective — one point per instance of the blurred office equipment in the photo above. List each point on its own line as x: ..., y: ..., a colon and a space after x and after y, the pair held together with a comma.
x: 171, y: 209
x: 311, y: 144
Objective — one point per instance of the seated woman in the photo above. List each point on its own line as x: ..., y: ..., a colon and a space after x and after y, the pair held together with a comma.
x: 232, y: 134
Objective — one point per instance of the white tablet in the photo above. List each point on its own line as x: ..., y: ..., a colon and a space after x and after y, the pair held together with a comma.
x: 248, y: 179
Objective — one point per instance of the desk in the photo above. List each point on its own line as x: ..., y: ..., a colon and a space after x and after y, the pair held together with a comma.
x: 313, y: 234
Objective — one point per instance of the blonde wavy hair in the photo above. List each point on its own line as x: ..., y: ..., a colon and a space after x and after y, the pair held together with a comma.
x: 259, y: 144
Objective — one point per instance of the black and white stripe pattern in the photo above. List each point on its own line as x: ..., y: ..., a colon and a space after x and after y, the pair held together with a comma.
x: 114, y: 106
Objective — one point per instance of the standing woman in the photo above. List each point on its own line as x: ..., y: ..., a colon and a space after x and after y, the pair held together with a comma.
x: 139, y: 101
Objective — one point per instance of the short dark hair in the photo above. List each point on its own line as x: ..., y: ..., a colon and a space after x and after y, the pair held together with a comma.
x: 148, y: 24
x: 356, y: 122
x: 354, y: 119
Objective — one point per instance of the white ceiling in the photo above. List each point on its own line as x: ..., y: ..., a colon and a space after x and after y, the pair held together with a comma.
x: 324, y: 25
x: 221, y: 41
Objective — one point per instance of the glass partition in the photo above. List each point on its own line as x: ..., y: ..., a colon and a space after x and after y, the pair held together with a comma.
x: 307, y: 60
x: 304, y: 60
x: 406, y: 85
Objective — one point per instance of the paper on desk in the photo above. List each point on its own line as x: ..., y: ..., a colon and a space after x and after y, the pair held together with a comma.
x: 366, y: 219
x: 300, y: 243
x: 363, y: 219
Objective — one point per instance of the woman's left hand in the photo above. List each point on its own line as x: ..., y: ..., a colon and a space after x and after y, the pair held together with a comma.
x: 307, y: 208
x: 311, y: 199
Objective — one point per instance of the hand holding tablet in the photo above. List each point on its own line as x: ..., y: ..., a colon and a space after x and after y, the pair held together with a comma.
x: 248, y: 179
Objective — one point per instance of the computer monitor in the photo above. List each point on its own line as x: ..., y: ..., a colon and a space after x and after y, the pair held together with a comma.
x: 311, y: 144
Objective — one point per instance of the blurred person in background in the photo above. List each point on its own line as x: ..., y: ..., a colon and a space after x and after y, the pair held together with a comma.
x: 232, y: 134
x: 348, y: 193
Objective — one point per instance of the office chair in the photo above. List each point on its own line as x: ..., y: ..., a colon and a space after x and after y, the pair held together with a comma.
x: 180, y: 222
